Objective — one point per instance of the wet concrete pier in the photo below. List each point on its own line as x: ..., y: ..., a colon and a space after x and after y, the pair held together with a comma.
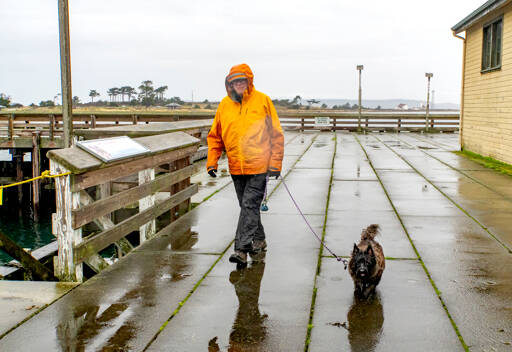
x: 445, y: 229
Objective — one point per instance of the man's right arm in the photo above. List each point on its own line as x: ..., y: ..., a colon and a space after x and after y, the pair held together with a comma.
x: 215, y: 144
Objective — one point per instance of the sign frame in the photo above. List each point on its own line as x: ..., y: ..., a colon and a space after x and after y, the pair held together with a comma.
x: 322, y: 122
x: 113, y: 149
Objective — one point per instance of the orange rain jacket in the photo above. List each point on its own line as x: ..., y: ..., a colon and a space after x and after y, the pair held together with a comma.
x: 249, y: 132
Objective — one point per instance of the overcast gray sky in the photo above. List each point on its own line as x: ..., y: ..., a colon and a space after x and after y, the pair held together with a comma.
x: 294, y: 47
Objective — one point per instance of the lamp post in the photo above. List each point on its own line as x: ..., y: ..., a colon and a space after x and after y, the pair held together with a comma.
x: 359, y: 68
x: 427, y: 122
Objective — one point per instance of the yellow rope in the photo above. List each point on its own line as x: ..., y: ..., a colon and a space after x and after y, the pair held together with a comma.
x: 44, y: 174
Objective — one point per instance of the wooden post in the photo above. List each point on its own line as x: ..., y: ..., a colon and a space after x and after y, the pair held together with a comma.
x: 18, y: 155
x: 302, y: 124
x: 185, y: 206
x: 10, y: 131
x: 103, y: 191
x: 134, y: 119
x: 147, y: 230
x: 67, y: 237
x: 334, y: 123
x: 65, y: 72
x: 36, y: 169
x: 52, y: 126
x: 399, y: 125
x: 93, y: 121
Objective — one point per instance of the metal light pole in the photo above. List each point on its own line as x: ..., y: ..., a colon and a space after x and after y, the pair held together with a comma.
x: 427, y: 122
x: 65, y: 72
x: 359, y: 68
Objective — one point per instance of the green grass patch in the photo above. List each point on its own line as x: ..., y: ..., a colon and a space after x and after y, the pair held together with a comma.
x: 488, y: 162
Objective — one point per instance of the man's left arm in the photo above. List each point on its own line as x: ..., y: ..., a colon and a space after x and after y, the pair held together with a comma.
x: 276, y: 140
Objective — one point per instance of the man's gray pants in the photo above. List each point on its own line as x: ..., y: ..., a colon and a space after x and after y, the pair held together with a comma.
x: 250, y: 190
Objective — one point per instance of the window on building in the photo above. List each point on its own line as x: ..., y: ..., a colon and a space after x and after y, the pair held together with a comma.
x: 491, y: 49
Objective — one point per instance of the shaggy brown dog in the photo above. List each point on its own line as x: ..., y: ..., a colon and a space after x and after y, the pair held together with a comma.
x: 367, y: 262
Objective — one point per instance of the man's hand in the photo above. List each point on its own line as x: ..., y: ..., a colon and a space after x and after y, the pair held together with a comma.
x: 274, y: 173
x: 212, y: 172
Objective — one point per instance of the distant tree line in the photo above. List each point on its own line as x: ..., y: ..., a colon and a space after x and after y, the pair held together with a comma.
x: 296, y: 103
x: 146, y: 95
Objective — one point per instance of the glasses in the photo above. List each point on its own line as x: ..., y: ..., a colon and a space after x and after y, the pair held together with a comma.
x: 239, y: 82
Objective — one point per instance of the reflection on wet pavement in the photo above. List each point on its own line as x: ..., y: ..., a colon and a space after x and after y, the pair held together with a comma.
x: 365, y: 319
x: 249, y: 331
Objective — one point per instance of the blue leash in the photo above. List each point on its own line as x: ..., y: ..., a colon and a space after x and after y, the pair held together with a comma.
x: 264, y: 207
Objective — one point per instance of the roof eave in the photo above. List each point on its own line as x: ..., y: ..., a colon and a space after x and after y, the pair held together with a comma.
x: 476, y: 15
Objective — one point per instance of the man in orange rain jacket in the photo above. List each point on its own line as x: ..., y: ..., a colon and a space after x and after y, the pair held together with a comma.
x: 247, y: 127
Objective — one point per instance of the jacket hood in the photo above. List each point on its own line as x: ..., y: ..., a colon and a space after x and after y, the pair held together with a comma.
x: 237, y: 72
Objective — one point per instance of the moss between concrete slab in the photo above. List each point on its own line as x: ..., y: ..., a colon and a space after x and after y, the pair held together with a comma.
x: 487, y: 162
x: 319, y: 262
x: 420, y: 259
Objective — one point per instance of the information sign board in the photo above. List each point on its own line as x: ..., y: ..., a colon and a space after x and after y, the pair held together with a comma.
x: 322, y: 121
x: 112, y: 149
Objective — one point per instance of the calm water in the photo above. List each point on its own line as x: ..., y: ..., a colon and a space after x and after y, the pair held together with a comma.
x: 18, y: 221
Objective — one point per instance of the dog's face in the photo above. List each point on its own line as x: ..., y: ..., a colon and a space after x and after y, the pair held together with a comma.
x: 363, y: 263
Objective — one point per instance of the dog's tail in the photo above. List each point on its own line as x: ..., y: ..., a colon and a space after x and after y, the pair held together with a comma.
x: 370, y: 232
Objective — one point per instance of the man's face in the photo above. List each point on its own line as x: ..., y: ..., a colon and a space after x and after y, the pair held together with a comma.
x: 239, y: 85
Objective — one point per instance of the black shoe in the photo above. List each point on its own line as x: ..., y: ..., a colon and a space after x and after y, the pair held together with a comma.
x: 239, y: 258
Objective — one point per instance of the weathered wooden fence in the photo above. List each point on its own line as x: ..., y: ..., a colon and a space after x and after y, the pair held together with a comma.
x: 50, y: 125
x: 85, y: 197
x: 370, y: 121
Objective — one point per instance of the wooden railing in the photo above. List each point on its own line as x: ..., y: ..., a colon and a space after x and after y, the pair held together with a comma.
x: 86, y: 196
x: 371, y: 121
x: 50, y: 125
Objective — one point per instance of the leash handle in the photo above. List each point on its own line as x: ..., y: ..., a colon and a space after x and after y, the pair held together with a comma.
x: 264, y: 206
x: 340, y: 259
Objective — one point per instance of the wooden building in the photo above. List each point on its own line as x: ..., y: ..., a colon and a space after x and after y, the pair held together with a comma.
x: 486, y: 96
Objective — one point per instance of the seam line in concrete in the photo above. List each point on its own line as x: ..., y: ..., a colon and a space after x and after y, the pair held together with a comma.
x: 445, y: 147
x: 319, y: 262
x: 420, y: 259
x: 504, y: 245
x: 35, y: 313
x: 458, y: 170
x: 182, y: 303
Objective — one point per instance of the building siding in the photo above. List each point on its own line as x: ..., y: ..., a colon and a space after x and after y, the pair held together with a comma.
x: 487, y: 101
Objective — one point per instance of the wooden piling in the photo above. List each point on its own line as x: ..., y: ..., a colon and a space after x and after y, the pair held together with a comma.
x: 18, y: 156
x: 67, y: 237
x: 10, y: 131
x: 65, y: 72
x: 52, y: 126
x: 93, y: 121
x: 36, y: 169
